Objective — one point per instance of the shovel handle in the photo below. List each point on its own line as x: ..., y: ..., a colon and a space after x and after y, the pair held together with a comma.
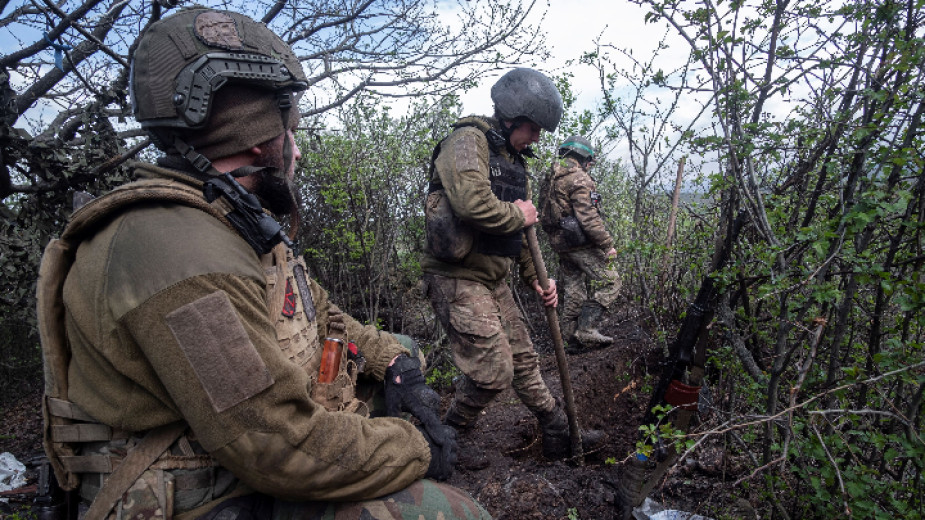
x: 552, y: 319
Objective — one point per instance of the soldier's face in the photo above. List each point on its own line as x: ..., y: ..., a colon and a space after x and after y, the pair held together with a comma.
x: 525, y: 135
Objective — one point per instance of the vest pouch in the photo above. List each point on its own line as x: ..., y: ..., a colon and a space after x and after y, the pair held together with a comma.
x: 571, y: 231
x: 338, y: 396
x: 448, y: 238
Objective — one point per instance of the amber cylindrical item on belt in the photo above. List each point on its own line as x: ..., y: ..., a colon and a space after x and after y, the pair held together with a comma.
x: 330, y: 360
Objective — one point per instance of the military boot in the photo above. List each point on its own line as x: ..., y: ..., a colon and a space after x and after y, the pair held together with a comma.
x: 587, y: 334
x: 462, y: 414
x: 557, y: 441
x: 470, y: 457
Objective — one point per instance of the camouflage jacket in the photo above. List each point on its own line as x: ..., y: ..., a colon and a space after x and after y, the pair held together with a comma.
x: 462, y: 168
x: 572, y: 192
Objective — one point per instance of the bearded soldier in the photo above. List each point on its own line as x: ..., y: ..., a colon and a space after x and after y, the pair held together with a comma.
x: 478, y: 206
x: 193, y: 368
x: 571, y: 217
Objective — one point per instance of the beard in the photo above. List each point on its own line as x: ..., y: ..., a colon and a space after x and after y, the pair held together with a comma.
x: 275, y: 193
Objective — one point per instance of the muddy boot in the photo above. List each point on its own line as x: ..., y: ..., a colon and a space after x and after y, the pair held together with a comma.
x: 587, y: 335
x: 557, y: 441
x: 463, y: 413
x: 463, y: 417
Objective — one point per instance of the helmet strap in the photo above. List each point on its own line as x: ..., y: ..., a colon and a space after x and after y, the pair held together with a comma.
x: 285, y: 106
x: 199, y: 162
x: 506, y: 130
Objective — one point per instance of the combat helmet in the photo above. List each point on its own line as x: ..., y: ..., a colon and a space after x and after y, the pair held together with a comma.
x: 578, y: 146
x: 528, y: 93
x: 183, y: 60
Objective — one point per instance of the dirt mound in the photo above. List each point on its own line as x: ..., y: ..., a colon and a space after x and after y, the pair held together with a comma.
x: 609, y: 386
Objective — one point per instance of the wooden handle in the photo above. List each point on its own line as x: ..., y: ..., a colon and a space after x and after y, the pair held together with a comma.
x: 552, y: 319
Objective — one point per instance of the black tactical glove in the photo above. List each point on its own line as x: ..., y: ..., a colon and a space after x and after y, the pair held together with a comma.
x: 442, y: 441
x: 411, y: 395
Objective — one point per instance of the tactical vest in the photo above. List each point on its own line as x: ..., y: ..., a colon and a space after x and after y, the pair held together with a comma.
x: 556, y: 214
x: 290, y: 300
x: 125, y: 474
x: 508, y: 183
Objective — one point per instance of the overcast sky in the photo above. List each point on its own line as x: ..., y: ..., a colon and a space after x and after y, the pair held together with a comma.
x: 571, y: 28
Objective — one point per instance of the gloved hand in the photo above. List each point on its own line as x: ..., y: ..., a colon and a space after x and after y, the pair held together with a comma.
x: 405, y: 391
x: 442, y: 441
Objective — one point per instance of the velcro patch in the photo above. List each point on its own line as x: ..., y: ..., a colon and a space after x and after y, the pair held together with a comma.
x: 216, y: 345
x: 289, y: 303
x: 466, y: 153
x: 218, y: 30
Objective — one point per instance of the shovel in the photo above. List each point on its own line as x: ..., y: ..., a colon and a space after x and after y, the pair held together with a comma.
x: 552, y: 319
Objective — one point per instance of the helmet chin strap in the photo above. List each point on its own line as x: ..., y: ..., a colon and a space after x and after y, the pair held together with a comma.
x: 284, y: 99
x: 202, y: 165
x: 506, y: 131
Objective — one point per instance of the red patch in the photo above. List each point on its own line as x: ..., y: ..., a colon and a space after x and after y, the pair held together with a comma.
x: 289, y: 305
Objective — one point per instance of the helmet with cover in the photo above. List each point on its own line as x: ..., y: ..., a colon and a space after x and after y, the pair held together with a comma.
x: 528, y: 93
x: 197, y: 60
x: 579, y: 147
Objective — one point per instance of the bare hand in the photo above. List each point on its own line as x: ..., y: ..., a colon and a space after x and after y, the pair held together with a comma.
x: 612, y: 253
x: 550, y: 296
x: 529, y: 211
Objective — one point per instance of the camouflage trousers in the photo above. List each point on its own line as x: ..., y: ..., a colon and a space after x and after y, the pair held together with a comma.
x: 579, y: 269
x: 490, y: 342
x: 422, y: 500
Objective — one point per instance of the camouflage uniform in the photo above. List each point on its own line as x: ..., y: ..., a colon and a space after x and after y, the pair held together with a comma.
x: 173, y: 318
x: 572, y: 192
x: 487, y: 333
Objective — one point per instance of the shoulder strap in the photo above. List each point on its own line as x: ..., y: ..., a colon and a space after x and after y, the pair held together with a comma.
x: 56, y: 354
x: 494, y: 140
